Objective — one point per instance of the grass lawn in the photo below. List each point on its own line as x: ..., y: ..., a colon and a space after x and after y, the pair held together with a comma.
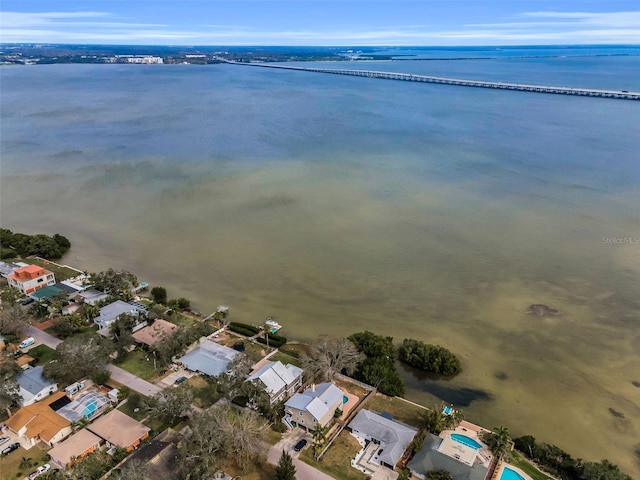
x: 523, y: 464
x: 205, y: 393
x: 272, y: 437
x: 352, y: 388
x: 256, y: 471
x: 137, y: 363
x: 337, y: 461
x: 284, y: 358
x: 42, y: 354
x: 10, y: 464
x: 402, y: 411
x: 139, y: 415
x: 61, y: 273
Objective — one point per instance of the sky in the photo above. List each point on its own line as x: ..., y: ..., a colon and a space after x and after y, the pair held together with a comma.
x: 322, y: 23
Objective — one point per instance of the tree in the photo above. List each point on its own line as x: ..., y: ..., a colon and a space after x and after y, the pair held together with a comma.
x: 120, y: 329
x: 115, y: 283
x: 499, y: 442
x: 159, y: 295
x: 220, y: 432
x: 435, y: 420
x: 603, y: 470
x: 77, y: 357
x: 328, y: 356
x: 171, y: 403
x: 285, y: 470
x: 378, y: 369
x: 319, y: 434
x: 430, y: 358
x: 9, y: 389
x: 68, y: 325
x: 12, y: 321
x: 180, y: 304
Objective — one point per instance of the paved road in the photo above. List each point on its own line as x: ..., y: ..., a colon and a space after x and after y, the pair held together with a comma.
x: 42, y: 337
x: 303, y: 471
x: 119, y: 375
x: 133, y: 382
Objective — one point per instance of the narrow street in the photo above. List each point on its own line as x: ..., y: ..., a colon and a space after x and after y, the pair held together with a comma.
x: 118, y: 374
x: 303, y: 471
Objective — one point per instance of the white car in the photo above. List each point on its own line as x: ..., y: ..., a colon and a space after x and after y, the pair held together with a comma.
x: 4, y: 440
x: 40, y: 470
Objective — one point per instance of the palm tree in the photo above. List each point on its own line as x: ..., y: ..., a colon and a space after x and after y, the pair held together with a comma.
x: 436, y: 420
x: 319, y: 434
x: 499, y: 442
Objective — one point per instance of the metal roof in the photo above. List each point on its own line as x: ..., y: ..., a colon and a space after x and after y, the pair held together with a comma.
x: 276, y: 375
x: 32, y: 380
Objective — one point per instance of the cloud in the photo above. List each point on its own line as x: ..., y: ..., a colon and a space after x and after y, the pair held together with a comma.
x: 536, y: 27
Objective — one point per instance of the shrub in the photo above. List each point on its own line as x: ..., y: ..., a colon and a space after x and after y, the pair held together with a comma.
x: 430, y: 358
x: 101, y: 377
x: 244, y: 329
x: 275, y: 341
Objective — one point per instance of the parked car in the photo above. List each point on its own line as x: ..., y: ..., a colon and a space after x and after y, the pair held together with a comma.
x: 4, y: 440
x: 300, y: 445
x: 27, y: 301
x: 180, y: 380
x: 10, y: 448
x: 39, y: 471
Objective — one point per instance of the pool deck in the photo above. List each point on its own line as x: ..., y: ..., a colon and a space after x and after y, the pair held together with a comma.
x: 461, y: 452
x: 511, y: 467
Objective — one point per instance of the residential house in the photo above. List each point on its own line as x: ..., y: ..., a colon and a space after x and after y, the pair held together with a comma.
x: 119, y: 429
x: 74, y: 448
x: 89, y: 405
x: 39, y: 422
x: 209, y: 358
x: 30, y: 278
x: 159, y: 455
x: 317, y: 404
x: 390, y: 439
x: 34, y: 387
x: 280, y: 381
x: 152, y: 334
x: 91, y: 296
x: 112, y: 312
x: 460, y: 452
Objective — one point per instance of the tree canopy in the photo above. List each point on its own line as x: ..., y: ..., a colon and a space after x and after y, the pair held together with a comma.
x: 114, y: 283
x: 41, y: 245
x: 328, y: 355
x: 9, y: 389
x: 12, y: 321
x: 285, y: 470
x: 77, y: 357
x: 430, y: 358
x: 378, y: 368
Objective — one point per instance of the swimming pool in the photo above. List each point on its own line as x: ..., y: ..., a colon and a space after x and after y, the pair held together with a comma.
x: 509, y: 474
x: 469, y: 442
x: 345, y: 399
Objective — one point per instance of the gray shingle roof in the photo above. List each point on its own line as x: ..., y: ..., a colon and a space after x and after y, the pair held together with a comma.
x: 394, y: 437
x: 209, y: 358
x: 32, y: 380
x: 317, y: 401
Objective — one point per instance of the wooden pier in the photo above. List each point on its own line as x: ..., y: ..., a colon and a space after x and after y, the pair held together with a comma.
x: 580, y: 92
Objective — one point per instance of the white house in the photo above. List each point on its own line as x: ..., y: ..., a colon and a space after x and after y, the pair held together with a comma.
x: 30, y: 278
x: 280, y: 381
x: 390, y: 438
x: 34, y: 387
x: 317, y: 404
x: 111, y: 312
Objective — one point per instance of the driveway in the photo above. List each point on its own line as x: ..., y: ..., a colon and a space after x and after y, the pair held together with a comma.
x: 303, y: 471
x: 41, y: 337
x: 119, y: 375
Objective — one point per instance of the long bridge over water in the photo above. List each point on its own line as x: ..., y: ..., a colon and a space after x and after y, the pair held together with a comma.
x: 580, y: 92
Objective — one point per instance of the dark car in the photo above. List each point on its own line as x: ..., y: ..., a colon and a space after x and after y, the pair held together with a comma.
x: 300, y: 445
x: 10, y: 448
x: 27, y: 301
x: 180, y: 380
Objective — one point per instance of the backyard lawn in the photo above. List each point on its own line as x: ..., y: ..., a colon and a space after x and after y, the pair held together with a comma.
x: 337, y: 461
x: 205, y: 393
x: 402, y: 411
x: 523, y: 464
x: 140, y: 364
x: 14, y: 465
x: 285, y: 358
x: 61, y: 273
